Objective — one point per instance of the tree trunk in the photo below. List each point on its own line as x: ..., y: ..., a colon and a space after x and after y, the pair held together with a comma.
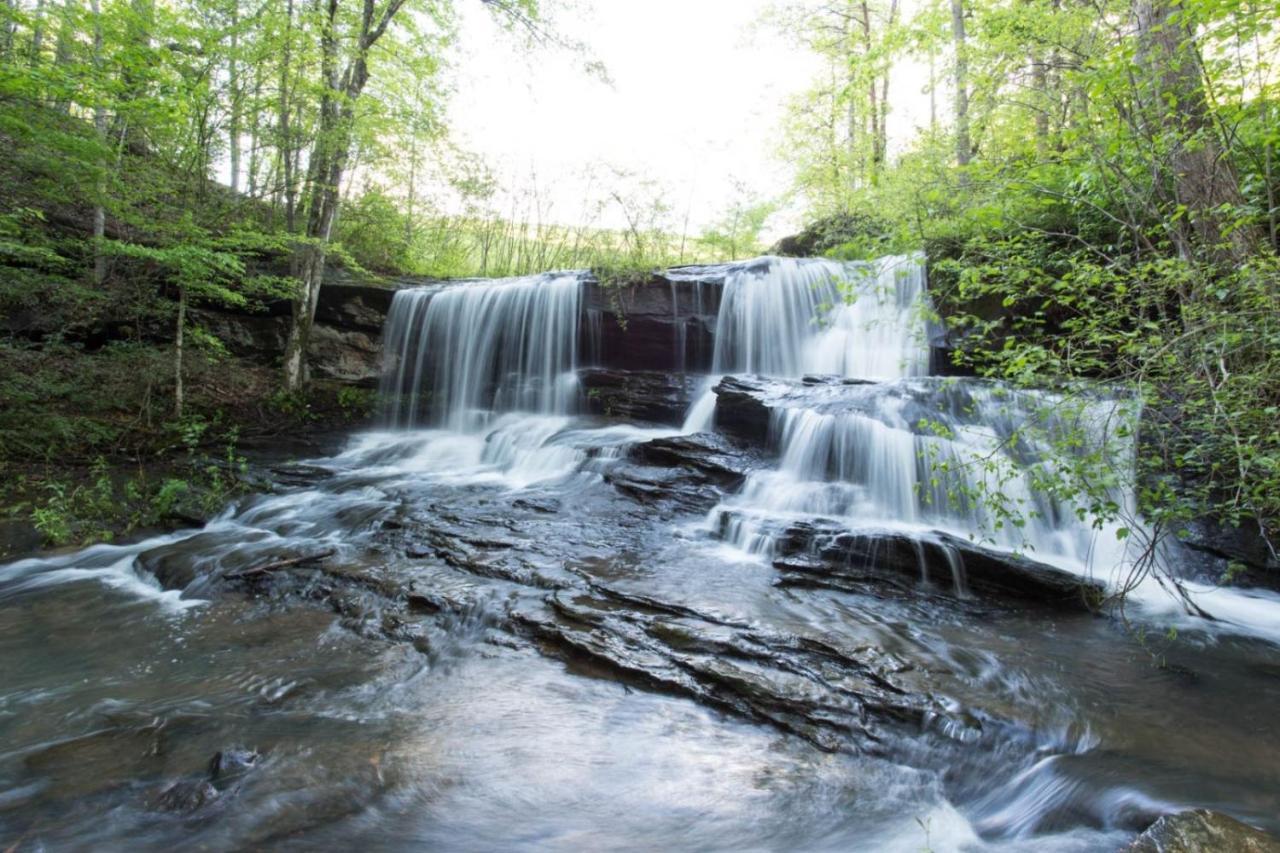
x: 10, y: 29
x: 285, y: 143
x: 1192, y: 170
x: 233, y: 95
x: 100, y: 126
x: 334, y: 137
x: 37, y: 34
x: 255, y: 133
x: 1040, y: 99
x: 178, y: 352
x: 63, y: 49
x: 964, y: 149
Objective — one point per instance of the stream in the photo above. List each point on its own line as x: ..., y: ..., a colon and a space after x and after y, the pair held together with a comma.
x: 508, y: 624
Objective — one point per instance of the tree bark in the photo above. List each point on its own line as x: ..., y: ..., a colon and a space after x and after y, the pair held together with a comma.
x: 285, y: 143
x: 100, y: 127
x: 328, y: 163
x: 964, y: 150
x: 37, y: 34
x: 233, y: 95
x: 1192, y: 171
x: 64, y: 46
x: 178, y: 340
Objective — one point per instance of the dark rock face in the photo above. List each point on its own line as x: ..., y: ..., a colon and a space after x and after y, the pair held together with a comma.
x: 692, y: 472
x: 710, y: 456
x: 660, y: 323
x: 350, y: 305
x: 346, y: 340
x: 652, y: 396
x: 1213, y: 551
x: 1200, y: 831
x: 345, y: 355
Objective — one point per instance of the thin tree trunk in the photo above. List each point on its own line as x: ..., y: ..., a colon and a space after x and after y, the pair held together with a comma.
x: 285, y: 143
x: 233, y: 93
x: 255, y: 137
x: 1040, y: 99
x: 964, y: 149
x: 37, y: 34
x: 64, y: 47
x: 100, y: 127
x: 10, y: 29
x: 1190, y: 164
x: 328, y: 163
x: 178, y: 352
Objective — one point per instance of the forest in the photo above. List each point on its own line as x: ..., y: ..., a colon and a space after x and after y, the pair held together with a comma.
x: 441, y: 515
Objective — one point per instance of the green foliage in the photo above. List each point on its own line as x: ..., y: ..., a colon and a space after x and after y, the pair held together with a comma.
x: 357, y: 404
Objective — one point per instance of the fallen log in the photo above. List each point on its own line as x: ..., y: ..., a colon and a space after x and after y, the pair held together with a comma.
x: 277, y: 565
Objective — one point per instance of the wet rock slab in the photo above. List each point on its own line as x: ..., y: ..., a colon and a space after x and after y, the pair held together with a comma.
x: 813, y: 555
x: 1202, y: 831
x: 691, y: 471
x: 837, y: 696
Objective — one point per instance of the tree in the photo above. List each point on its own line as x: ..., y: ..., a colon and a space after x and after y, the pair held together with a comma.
x: 960, y: 81
x: 347, y: 41
x: 1192, y: 171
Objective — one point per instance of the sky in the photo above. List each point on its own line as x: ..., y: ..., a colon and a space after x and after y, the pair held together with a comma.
x: 696, y: 104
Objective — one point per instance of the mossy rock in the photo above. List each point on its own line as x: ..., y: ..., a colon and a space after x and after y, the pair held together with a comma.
x: 1202, y: 831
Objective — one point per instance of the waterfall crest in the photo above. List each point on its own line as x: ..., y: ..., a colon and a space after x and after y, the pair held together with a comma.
x: 855, y: 319
x: 457, y: 355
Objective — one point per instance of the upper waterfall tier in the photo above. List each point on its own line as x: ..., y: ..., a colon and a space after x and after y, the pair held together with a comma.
x: 455, y: 355
x: 788, y: 317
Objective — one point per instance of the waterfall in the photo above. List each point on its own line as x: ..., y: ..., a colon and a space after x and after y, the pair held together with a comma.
x: 457, y: 355
x: 854, y: 319
x: 962, y: 456
x: 788, y: 317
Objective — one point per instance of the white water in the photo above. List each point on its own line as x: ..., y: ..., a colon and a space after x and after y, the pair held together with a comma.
x: 491, y: 366
x: 791, y: 317
x: 494, y: 405
x: 919, y: 454
x: 959, y: 456
x: 850, y: 319
x: 457, y: 356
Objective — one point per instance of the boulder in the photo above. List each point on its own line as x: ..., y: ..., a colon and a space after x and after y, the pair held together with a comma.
x: 1202, y: 831
x: 708, y: 456
x: 741, y: 410
x: 351, y: 356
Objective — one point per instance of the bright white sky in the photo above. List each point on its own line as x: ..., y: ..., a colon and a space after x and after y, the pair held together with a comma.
x: 696, y: 103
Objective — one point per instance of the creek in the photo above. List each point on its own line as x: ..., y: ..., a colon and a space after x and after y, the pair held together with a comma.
x: 517, y: 617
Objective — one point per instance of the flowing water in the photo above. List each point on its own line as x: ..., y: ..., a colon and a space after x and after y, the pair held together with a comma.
x: 521, y: 640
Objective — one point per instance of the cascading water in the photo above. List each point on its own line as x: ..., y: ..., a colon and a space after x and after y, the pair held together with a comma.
x: 482, y: 348
x: 489, y: 368
x: 960, y: 456
x: 790, y: 317
x: 853, y: 319
x: 509, y: 654
x: 909, y: 452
